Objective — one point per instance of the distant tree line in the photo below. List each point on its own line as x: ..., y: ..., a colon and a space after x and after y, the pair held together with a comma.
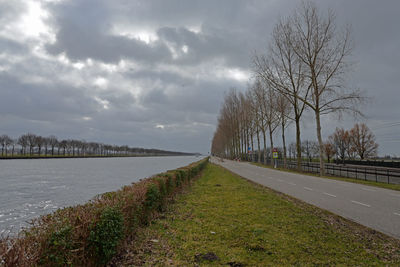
x: 35, y: 145
x: 358, y: 143
x: 303, y: 69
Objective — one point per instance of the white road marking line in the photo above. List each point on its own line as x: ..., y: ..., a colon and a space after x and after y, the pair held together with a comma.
x: 291, y: 183
x: 395, y: 213
x: 328, y: 194
x: 280, y: 180
x: 367, y: 189
x: 359, y: 203
x: 395, y: 195
x: 307, y: 188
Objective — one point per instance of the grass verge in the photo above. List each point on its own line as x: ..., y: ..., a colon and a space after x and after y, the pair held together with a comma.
x: 351, y: 180
x: 227, y: 220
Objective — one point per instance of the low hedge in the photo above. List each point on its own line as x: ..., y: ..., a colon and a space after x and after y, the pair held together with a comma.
x: 90, y: 234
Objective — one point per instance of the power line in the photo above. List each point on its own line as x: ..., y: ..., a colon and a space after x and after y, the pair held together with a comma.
x: 386, y: 125
x: 390, y: 141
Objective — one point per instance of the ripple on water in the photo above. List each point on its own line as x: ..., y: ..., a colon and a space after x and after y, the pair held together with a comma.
x: 33, y: 188
x: 59, y: 187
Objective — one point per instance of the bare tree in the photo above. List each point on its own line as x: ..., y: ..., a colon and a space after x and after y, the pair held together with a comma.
x: 63, y: 145
x: 2, y: 143
x: 283, y: 109
x: 324, y: 52
x: 39, y: 142
x: 271, y: 116
x: 46, y: 144
x: 14, y: 142
x: 229, y: 138
x: 31, y: 139
x: 251, y: 121
x: 329, y: 150
x: 284, y: 71
x: 261, y: 101
x: 256, y: 115
x: 306, y: 149
x: 292, y: 150
x: 230, y: 117
x: 363, y: 141
x: 341, y: 142
x: 23, y: 142
x: 52, y: 141
x: 5, y: 142
x: 311, y: 149
x: 315, y: 150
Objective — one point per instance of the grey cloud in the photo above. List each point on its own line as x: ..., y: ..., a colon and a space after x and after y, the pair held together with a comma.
x: 83, y: 31
x: 92, y: 29
x: 42, y: 102
x: 172, y: 91
x: 12, y: 47
x: 209, y: 44
x: 10, y: 10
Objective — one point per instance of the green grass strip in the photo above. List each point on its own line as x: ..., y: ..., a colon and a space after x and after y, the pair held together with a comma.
x: 250, y: 225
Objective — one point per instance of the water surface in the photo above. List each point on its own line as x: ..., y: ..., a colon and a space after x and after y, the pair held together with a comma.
x: 29, y: 188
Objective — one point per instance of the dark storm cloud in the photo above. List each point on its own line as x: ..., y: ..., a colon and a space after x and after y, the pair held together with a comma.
x: 93, y: 30
x: 83, y: 31
x: 42, y: 102
x: 186, y: 94
x: 166, y: 92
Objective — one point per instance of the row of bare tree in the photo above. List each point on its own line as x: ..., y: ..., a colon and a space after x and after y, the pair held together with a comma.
x: 303, y: 68
x: 31, y: 144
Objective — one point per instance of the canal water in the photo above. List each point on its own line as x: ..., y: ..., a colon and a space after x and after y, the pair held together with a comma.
x: 30, y: 188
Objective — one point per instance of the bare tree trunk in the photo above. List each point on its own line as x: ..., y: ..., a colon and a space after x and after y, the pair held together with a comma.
x: 272, y: 146
x: 284, y: 144
x: 298, y: 144
x: 320, y: 144
x: 252, y: 148
x: 258, y: 146
x: 265, y: 147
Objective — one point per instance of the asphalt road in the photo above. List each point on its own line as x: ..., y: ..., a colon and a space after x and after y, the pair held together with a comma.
x: 374, y: 207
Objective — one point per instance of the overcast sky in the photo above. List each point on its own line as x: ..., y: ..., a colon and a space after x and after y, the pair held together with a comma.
x: 153, y: 73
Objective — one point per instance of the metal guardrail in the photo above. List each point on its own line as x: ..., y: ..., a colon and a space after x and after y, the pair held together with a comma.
x: 375, y: 163
x: 366, y: 173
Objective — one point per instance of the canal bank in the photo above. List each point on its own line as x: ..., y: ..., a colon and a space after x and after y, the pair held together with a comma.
x: 92, y: 233
x: 229, y: 221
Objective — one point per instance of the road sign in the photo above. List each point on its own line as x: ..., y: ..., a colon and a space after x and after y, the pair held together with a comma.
x: 275, y: 155
x: 275, y: 150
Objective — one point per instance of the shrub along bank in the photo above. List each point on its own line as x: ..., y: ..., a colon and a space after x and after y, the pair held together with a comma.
x: 90, y: 234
